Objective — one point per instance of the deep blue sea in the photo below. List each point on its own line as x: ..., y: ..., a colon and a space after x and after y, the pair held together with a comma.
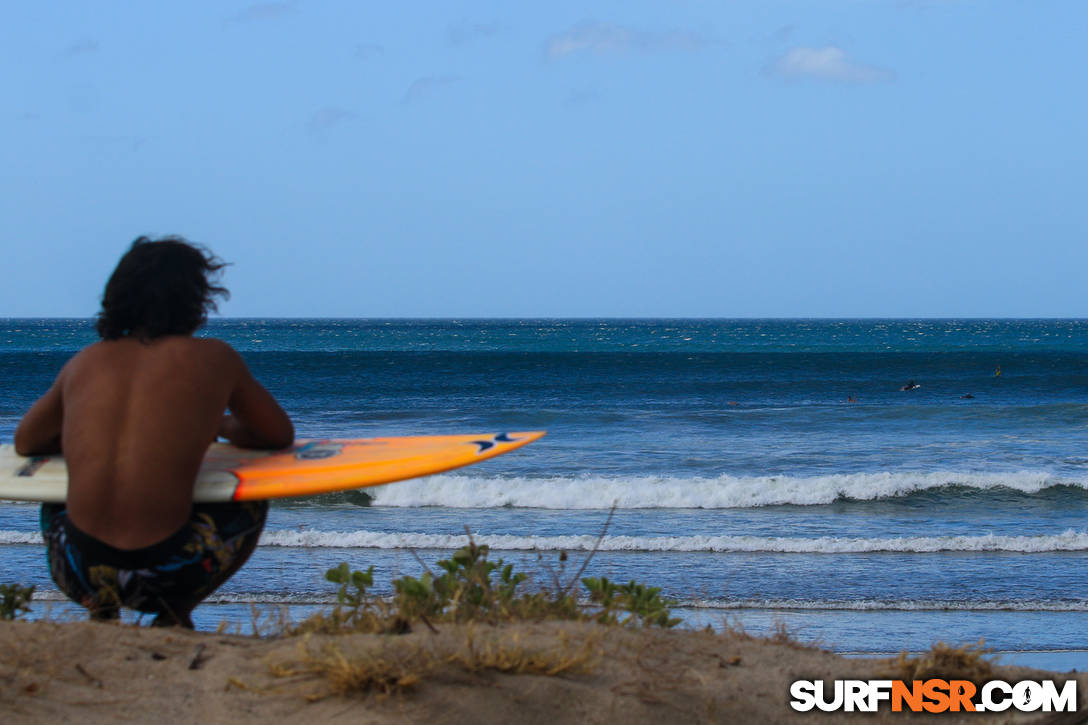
x: 762, y: 470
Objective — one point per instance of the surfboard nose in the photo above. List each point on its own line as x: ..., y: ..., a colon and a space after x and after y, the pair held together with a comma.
x: 518, y: 438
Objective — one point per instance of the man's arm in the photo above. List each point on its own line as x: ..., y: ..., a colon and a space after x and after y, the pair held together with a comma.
x: 38, y: 432
x: 256, y: 420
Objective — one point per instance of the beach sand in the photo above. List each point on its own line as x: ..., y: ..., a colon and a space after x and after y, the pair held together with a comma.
x: 106, y: 673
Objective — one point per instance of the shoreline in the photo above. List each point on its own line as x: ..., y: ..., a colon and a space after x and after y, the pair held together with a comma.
x: 99, y: 673
x: 881, y: 634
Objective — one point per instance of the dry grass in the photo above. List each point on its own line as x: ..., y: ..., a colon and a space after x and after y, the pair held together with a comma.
x: 965, y: 662
x: 376, y: 619
x: 783, y: 635
x: 387, y: 671
x: 780, y: 634
x: 394, y: 667
x: 17, y: 675
x: 509, y: 655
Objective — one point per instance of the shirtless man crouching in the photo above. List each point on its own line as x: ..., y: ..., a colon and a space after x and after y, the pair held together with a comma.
x: 134, y: 415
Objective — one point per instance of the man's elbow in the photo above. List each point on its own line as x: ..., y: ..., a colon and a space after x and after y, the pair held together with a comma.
x: 26, y: 446
x: 21, y: 446
x: 286, y: 438
x: 283, y: 437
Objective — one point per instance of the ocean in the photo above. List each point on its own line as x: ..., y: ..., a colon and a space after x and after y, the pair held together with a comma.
x: 762, y: 471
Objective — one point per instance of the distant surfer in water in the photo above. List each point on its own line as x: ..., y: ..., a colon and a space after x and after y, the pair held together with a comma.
x: 911, y: 385
x: 134, y: 414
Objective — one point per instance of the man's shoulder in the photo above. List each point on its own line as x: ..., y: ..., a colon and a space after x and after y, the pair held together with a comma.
x: 92, y: 353
x: 203, y: 358
x: 206, y: 350
x: 210, y: 343
x: 211, y: 346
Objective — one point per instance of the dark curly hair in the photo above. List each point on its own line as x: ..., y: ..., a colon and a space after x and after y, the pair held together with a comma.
x: 160, y: 287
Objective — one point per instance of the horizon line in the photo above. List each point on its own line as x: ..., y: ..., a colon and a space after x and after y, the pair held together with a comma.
x: 455, y: 318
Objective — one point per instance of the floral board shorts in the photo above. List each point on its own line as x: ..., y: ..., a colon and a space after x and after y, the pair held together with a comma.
x: 177, y: 572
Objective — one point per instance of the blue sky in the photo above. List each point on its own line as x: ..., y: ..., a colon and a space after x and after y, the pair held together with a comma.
x: 504, y: 159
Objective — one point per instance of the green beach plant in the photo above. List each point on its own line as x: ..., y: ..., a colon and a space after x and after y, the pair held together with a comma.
x: 14, y: 600
x: 629, y: 604
x: 471, y: 588
x: 353, y: 584
x: 466, y: 590
x: 355, y: 608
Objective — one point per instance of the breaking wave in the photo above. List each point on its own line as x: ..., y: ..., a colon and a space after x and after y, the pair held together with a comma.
x: 650, y: 492
x: 1067, y: 541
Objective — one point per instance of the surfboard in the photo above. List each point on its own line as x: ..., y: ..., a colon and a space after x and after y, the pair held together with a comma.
x: 307, y: 468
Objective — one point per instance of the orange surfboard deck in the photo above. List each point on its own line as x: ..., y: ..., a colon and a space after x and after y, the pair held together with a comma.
x: 307, y: 468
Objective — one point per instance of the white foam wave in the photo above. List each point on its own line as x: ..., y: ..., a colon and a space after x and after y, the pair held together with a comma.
x: 20, y: 537
x: 1069, y: 540
x: 654, y: 492
x: 641, y: 492
x: 897, y: 605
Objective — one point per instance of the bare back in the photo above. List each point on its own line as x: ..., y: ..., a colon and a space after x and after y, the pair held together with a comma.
x: 136, y: 420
